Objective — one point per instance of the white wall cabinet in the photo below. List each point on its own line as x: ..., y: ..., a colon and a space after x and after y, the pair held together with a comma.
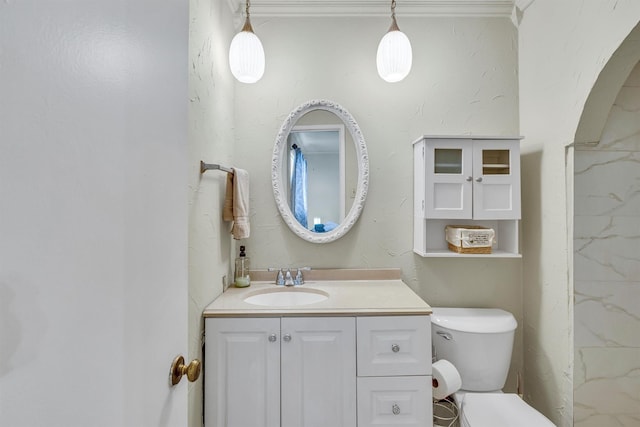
x: 272, y: 372
x: 306, y: 372
x: 466, y: 180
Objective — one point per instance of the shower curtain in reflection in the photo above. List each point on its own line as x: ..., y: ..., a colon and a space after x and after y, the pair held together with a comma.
x: 299, y: 188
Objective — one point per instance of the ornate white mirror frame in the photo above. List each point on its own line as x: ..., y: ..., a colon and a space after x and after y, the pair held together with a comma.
x: 280, y: 192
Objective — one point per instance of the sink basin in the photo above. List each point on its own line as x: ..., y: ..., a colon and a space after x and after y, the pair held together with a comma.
x: 287, y: 297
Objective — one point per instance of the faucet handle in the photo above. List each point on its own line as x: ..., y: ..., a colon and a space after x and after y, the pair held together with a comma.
x: 299, y: 280
x: 279, y: 276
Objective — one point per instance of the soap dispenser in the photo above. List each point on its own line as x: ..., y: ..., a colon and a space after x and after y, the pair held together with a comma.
x: 242, y: 279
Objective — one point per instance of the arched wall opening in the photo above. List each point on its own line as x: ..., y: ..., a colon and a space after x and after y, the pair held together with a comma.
x: 561, y: 58
x: 606, y: 251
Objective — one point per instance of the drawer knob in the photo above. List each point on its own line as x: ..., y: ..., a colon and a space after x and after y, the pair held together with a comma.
x: 396, y: 409
x: 395, y: 348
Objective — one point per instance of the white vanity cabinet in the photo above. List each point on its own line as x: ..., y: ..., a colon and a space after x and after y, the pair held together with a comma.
x: 242, y: 372
x: 394, y: 371
x: 314, y: 372
x: 466, y: 180
x: 280, y: 372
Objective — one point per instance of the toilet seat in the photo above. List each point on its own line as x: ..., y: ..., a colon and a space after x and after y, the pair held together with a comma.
x: 499, y: 410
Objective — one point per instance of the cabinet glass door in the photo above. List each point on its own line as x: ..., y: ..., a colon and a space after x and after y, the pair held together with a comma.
x: 448, y: 179
x: 447, y: 160
x: 496, y: 192
x: 495, y: 162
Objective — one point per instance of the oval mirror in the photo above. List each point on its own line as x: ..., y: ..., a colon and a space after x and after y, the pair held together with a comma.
x: 319, y: 171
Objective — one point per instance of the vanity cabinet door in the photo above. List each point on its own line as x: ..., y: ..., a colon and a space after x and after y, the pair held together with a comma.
x: 318, y: 372
x: 242, y: 372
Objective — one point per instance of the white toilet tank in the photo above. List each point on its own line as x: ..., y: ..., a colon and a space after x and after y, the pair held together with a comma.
x: 478, y: 341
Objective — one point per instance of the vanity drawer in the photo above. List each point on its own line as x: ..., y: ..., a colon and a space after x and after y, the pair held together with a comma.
x: 394, y: 401
x: 394, y: 345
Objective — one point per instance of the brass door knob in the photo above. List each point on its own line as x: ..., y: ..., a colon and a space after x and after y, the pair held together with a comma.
x: 178, y: 369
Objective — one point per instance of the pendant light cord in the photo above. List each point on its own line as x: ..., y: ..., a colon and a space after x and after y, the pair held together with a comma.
x: 247, y: 23
x: 394, y: 24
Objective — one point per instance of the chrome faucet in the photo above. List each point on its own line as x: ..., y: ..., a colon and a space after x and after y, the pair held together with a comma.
x: 286, y: 278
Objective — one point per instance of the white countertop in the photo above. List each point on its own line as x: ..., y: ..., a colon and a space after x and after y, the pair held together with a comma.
x: 346, y: 298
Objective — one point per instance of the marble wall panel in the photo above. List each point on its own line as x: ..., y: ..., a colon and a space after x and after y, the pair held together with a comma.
x: 607, y: 314
x: 607, y: 387
x: 607, y: 270
x: 622, y: 131
x: 606, y: 183
x: 606, y: 248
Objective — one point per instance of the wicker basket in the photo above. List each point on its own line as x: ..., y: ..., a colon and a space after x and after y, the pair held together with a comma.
x: 469, y: 239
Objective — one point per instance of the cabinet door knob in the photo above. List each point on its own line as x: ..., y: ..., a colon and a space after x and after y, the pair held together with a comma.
x: 469, y: 178
x: 286, y: 338
x: 479, y: 179
x: 395, y: 348
x: 396, y: 409
x: 273, y: 338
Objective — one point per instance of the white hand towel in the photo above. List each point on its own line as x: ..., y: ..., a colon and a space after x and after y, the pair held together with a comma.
x: 227, y: 208
x: 241, y: 226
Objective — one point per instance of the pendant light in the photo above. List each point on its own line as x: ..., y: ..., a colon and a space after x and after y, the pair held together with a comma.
x: 394, y: 52
x: 246, y: 55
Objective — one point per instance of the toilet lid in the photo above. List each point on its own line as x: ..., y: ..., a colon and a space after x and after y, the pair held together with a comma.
x: 500, y: 410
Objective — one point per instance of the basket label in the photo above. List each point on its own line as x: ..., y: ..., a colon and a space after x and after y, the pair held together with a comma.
x: 479, y: 238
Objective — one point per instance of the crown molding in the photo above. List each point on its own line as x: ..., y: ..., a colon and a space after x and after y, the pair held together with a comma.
x: 373, y: 8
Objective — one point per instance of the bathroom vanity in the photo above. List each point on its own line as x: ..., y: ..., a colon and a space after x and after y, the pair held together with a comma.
x: 359, y: 357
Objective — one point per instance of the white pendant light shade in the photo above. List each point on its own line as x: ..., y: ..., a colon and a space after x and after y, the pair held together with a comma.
x: 246, y: 57
x: 394, y: 56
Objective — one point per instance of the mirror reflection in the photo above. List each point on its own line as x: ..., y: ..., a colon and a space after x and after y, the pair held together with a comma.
x: 322, y: 173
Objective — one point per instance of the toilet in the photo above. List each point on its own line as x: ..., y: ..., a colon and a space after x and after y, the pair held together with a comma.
x: 478, y: 342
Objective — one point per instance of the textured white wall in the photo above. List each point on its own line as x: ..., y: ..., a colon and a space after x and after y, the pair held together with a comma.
x: 464, y: 80
x: 211, y: 139
x: 563, y: 47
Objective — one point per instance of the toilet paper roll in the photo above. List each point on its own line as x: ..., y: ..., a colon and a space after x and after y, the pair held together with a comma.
x: 446, y: 379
